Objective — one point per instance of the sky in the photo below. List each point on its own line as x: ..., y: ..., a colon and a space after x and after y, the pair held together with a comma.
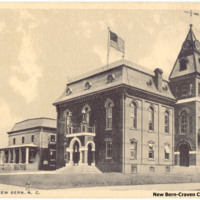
x: 41, y: 49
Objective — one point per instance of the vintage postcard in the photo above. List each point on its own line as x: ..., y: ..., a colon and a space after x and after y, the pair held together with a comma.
x: 100, y: 100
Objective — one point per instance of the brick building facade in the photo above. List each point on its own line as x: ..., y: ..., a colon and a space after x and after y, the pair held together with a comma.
x: 125, y: 118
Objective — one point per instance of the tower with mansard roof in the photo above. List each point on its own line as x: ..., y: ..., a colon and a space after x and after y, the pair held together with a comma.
x: 185, y: 86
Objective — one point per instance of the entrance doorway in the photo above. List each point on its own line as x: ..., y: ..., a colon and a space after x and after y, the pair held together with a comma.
x: 184, y: 155
x: 76, y: 153
x: 90, y: 156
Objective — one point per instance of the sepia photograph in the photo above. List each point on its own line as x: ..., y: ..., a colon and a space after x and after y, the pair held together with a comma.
x: 100, y: 100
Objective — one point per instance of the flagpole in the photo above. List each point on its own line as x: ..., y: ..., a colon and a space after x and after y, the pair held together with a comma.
x: 108, y: 47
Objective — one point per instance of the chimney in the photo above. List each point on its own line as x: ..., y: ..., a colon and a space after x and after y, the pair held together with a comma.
x: 158, y: 78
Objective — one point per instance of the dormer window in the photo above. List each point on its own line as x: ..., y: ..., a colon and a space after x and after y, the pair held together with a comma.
x: 110, y: 78
x: 183, y: 64
x: 88, y: 85
x: 68, y: 91
x: 149, y: 83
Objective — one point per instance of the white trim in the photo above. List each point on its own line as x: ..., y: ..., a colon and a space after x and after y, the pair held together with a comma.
x: 188, y: 100
x: 176, y: 153
x: 192, y: 152
x: 80, y: 134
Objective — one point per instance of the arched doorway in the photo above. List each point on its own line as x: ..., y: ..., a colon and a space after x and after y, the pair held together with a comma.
x: 90, y: 156
x: 184, y: 155
x: 76, y: 153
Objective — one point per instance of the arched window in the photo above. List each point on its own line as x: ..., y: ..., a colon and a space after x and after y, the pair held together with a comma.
x: 134, y: 114
x: 166, y: 121
x: 109, y: 113
x: 86, y: 114
x: 151, y: 118
x: 184, y: 119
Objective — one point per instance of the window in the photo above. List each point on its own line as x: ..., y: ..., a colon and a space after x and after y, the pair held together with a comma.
x: 198, y: 88
x: 184, y: 90
x: 166, y: 121
x: 110, y: 78
x: 109, y: 149
x: 151, y: 118
x: 23, y: 140
x: 14, y: 141
x: 32, y: 138
x: 86, y: 114
x: 133, y: 150
x: 167, y: 152
x: 53, y: 138
x: 109, y: 113
x: 191, y: 89
x: 134, y: 114
x: 68, y: 117
x: 88, y: 85
x: 151, y: 151
x: 68, y: 91
x: 184, y: 122
x: 183, y: 64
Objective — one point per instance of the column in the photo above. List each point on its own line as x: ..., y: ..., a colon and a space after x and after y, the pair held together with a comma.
x: 14, y: 156
x: 71, y: 157
x: 20, y: 155
x: 27, y: 155
x: 86, y: 157
x: 1, y: 153
x: 9, y: 156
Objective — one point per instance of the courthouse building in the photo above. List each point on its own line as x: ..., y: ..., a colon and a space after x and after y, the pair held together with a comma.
x: 31, y: 146
x: 125, y: 118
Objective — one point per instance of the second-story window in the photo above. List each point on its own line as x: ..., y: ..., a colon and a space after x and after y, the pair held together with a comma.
x: 184, y: 90
x: 23, y: 140
x: 53, y: 138
x: 199, y: 89
x: 14, y: 141
x: 109, y: 113
x: 32, y: 138
x: 86, y: 114
x: 151, y: 118
x: 133, y: 114
x: 166, y: 121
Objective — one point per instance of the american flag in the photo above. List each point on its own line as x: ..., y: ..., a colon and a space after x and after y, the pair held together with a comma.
x: 116, y: 42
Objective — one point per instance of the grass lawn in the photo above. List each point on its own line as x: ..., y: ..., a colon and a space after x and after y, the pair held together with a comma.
x: 61, y: 181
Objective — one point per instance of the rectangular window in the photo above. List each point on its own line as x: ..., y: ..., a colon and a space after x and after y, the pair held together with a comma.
x: 53, y: 138
x: 109, y: 149
x: 14, y: 140
x: 199, y: 88
x: 133, y: 150
x: 32, y: 138
x: 109, y: 117
x: 23, y: 140
x: 191, y: 89
x: 167, y: 152
x: 151, y: 151
x: 184, y: 90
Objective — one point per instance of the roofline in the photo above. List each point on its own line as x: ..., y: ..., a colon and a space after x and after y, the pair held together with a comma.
x: 113, y: 65
x: 34, y: 119
x: 97, y: 92
x: 26, y: 129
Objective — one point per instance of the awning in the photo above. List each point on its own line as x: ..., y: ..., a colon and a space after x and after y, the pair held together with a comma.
x: 167, y: 149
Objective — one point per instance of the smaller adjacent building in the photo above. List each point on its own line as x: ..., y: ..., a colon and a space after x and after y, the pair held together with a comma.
x: 31, y: 146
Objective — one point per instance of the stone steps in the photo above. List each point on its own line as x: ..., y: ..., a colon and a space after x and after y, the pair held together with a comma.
x: 78, y: 169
